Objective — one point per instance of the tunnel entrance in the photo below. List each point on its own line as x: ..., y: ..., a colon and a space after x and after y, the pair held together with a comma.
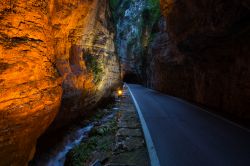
x: 131, y: 77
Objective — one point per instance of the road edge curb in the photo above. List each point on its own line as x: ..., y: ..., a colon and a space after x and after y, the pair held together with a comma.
x: 149, y: 142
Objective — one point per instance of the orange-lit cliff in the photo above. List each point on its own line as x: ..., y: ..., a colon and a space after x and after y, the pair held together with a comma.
x: 85, y: 55
x: 58, y: 59
x: 50, y: 50
x: 30, y: 86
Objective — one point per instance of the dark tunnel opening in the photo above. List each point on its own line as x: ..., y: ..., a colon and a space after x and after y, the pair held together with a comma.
x: 131, y: 77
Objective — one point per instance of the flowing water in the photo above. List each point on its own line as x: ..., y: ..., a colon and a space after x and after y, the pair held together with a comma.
x: 57, y: 155
x: 67, y: 144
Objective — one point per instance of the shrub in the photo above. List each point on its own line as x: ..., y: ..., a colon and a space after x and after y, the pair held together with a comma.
x: 94, y: 65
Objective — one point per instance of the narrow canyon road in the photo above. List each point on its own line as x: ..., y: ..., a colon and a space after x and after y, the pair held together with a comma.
x: 186, y: 135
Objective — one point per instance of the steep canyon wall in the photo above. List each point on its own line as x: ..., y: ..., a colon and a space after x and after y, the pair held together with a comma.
x: 86, y: 59
x: 197, y: 50
x: 51, y: 52
x: 201, y: 53
x: 134, y: 22
x: 30, y: 91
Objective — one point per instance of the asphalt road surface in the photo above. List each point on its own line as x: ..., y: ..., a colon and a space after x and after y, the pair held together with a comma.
x: 186, y: 135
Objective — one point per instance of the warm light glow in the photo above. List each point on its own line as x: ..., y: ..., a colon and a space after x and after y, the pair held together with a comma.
x: 119, y: 92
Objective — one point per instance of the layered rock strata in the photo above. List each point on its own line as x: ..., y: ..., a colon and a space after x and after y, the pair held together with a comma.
x: 86, y: 56
x: 30, y: 86
x: 47, y: 47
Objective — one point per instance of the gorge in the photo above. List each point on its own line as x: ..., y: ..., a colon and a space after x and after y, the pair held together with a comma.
x: 60, y: 58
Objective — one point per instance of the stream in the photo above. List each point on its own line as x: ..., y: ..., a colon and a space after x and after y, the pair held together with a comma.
x: 56, y: 156
x: 67, y: 144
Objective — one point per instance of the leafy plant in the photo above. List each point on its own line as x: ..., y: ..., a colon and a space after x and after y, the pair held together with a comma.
x: 93, y: 65
x: 82, y: 152
x: 152, y: 12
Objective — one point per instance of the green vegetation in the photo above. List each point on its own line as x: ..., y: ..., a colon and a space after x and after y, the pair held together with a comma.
x: 153, y: 11
x: 83, y: 153
x: 94, y: 65
x: 114, y: 3
x: 118, y: 8
x: 101, y: 140
x: 135, y: 28
x: 151, y: 15
x: 110, y: 127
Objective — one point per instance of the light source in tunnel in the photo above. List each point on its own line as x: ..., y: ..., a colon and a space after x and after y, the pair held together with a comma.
x: 119, y: 92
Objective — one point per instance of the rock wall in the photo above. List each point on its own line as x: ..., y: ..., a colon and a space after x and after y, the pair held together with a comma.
x: 30, y: 87
x: 47, y: 47
x: 86, y: 56
x: 134, y: 21
x: 201, y: 53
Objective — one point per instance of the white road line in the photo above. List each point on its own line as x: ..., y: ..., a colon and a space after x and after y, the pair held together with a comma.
x: 202, y: 109
x: 210, y: 113
x: 150, y: 145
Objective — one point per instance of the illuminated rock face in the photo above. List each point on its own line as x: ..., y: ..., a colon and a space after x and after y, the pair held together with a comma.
x: 46, y: 48
x: 86, y: 56
x: 201, y: 53
x: 30, y: 91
